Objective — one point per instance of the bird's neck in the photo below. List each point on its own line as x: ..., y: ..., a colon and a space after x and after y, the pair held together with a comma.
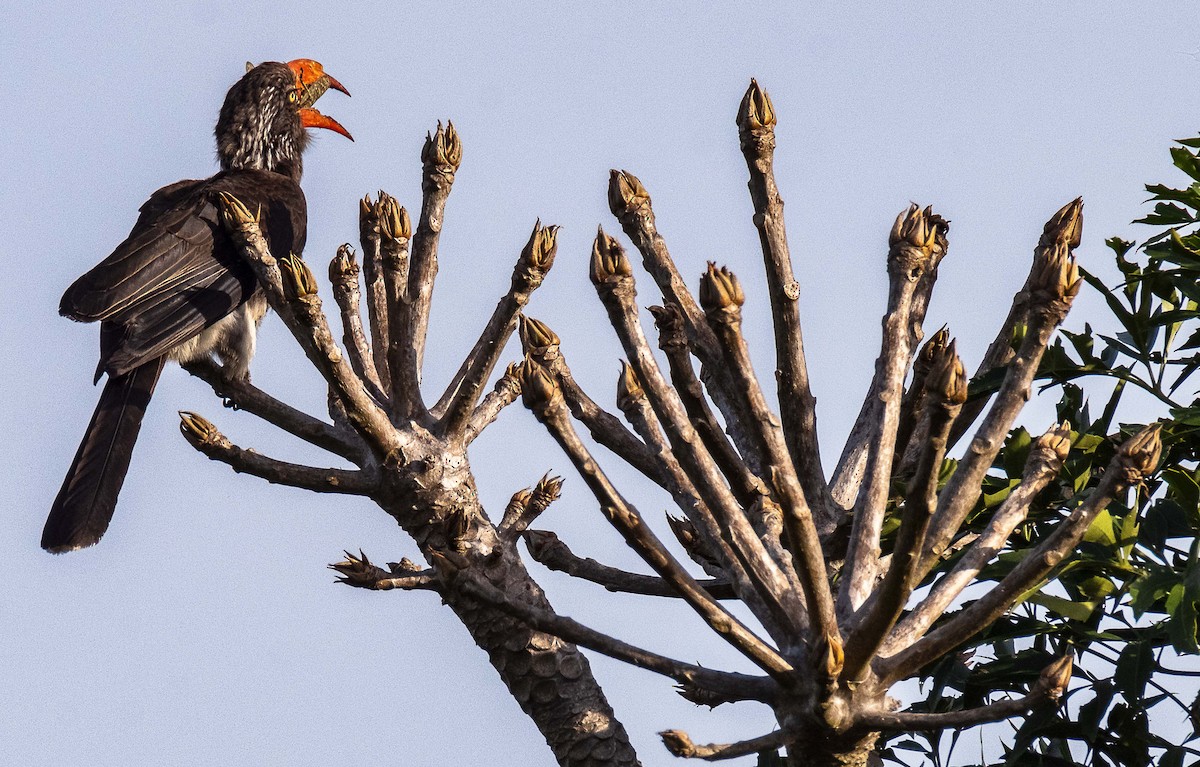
x: 250, y: 151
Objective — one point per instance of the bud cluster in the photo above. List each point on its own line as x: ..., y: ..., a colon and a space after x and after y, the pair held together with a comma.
x: 1139, y: 456
x: 196, y: 429
x: 545, y: 492
x: 537, y: 256
x: 921, y: 229
x: 668, y: 319
x: 298, y: 279
x: 946, y: 380
x: 830, y: 656
x: 442, y: 151
x: 343, y: 268
x: 1055, y: 278
x: 1054, y: 445
x: 394, y: 222
x: 629, y: 389
x: 357, y: 570
x: 932, y: 350
x: 626, y: 195
x: 511, y: 380
x: 537, y: 339
x: 756, y: 111
x: 368, y: 219
x: 720, y: 290
x: 609, y: 262
x: 539, y: 389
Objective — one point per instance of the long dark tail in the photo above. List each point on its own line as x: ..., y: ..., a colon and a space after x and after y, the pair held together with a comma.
x: 85, y: 504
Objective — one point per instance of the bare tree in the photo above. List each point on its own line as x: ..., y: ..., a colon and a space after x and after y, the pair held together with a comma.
x: 842, y: 612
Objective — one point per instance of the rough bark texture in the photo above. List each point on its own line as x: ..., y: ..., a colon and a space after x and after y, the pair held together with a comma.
x: 437, y: 504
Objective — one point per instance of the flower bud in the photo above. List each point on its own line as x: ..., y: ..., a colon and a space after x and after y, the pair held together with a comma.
x: 946, y: 379
x: 344, y: 267
x: 443, y: 149
x: 1065, y: 227
x: 536, y: 336
x: 1139, y: 456
x: 629, y: 389
x: 830, y: 656
x: 920, y: 228
x: 1056, y: 676
x: 677, y: 742
x: 298, y: 279
x: 516, y: 505
x: 1056, y: 442
x: 932, y: 351
x: 540, y: 250
x: 367, y: 216
x: 720, y: 289
x: 756, y: 111
x: 625, y: 193
x: 394, y: 222
x: 234, y: 213
x: 539, y: 389
x: 511, y: 379
x: 609, y: 261
x: 196, y: 428
x: 545, y: 492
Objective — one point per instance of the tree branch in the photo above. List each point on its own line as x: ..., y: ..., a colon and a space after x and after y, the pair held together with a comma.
x: 1044, y: 462
x: 680, y: 744
x: 300, y: 309
x: 545, y: 547
x: 343, y: 277
x: 797, y: 406
x: 1052, y: 290
x: 612, y: 276
x: 243, y: 395
x: 360, y: 573
x: 204, y: 436
x: 1000, y: 352
x: 912, y: 241
x: 542, y: 395
x: 440, y: 158
x: 536, y: 258
x: 506, y: 391
x: 947, y: 390
x: 721, y: 298
x: 1136, y: 459
x: 731, y: 686
x: 395, y: 231
x: 377, y: 303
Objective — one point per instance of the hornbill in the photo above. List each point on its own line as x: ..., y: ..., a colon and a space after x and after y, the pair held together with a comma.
x: 177, y: 288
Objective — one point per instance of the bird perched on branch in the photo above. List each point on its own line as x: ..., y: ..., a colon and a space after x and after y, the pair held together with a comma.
x: 177, y: 287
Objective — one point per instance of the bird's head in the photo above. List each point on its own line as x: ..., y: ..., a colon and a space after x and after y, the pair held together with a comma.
x: 265, y: 114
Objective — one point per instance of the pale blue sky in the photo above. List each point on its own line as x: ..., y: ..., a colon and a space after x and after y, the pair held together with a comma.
x: 204, y: 629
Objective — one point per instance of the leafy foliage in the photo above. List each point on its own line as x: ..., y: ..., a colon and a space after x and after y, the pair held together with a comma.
x: 1128, y: 602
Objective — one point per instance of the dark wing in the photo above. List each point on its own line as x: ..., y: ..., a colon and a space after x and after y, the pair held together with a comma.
x: 177, y: 272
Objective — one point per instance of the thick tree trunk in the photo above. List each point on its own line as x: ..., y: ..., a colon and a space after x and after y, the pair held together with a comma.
x: 851, y: 750
x: 435, y: 500
x: 550, y: 679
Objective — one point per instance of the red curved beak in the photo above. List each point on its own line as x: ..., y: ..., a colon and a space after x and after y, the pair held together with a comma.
x: 311, y: 83
x: 311, y: 118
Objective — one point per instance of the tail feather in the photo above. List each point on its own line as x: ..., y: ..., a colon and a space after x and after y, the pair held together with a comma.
x: 85, y: 504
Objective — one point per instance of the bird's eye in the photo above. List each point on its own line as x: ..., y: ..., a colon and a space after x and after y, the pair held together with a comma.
x: 292, y: 97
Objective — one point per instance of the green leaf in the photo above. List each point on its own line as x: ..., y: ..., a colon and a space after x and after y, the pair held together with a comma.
x: 1185, y: 161
x: 1134, y: 668
x: 1167, y: 214
x: 1076, y: 611
x: 1101, y: 530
